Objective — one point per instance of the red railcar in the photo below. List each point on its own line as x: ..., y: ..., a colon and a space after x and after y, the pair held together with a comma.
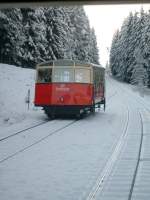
x: 69, y: 87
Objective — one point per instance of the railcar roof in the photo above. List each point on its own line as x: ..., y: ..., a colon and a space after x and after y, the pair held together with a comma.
x: 65, y: 62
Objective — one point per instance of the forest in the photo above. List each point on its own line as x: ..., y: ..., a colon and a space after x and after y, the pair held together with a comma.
x: 130, y: 50
x: 32, y: 35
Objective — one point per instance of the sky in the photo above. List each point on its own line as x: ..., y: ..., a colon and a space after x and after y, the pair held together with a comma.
x: 106, y: 19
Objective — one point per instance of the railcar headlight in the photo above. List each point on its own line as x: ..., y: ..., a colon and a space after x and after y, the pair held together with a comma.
x: 61, y: 99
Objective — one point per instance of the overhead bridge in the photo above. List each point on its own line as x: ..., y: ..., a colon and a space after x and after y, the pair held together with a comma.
x: 36, y: 3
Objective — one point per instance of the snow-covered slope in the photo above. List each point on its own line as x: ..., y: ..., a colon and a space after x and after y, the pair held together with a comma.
x: 14, y: 85
x: 57, y: 161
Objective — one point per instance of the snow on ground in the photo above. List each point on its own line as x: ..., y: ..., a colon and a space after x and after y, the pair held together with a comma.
x: 14, y: 85
x: 66, y: 165
x: 142, y: 93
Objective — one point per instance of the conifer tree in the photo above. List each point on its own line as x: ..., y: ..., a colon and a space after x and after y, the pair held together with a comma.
x: 146, y: 45
x: 11, y: 36
x: 139, y: 74
x: 114, y: 51
x: 29, y: 36
x: 129, y: 55
x: 93, y: 48
x: 35, y: 36
x: 81, y: 33
x: 57, y: 33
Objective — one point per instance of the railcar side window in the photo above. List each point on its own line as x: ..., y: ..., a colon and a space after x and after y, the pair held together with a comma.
x: 63, y: 75
x: 82, y: 75
x: 44, y: 75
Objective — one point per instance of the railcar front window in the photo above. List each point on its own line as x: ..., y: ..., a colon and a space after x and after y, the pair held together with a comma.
x: 82, y: 76
x: 44, y: 76
x: 63, y: 75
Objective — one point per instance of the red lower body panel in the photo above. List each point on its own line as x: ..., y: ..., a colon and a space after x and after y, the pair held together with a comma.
x: 48, y: 94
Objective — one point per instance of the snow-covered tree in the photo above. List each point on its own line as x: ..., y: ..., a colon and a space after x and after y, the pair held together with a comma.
x: 58, y: 33
x: 146, y: 44
x: 81, y: 34
x: 139, y: 74
x: 114, y: 51
x: 93, y: 48
x: 130, y: 52
x: 34, y: 47
x: 11, y: 36
x: 29, y: 36
x: 127, y: 46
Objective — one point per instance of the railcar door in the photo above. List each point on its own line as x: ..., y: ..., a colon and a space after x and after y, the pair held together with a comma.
x: 43, y: 86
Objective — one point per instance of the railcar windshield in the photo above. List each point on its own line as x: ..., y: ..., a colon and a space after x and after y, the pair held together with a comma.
x: 83, y: 75
x: 44, y: 75
x: 63, y: 75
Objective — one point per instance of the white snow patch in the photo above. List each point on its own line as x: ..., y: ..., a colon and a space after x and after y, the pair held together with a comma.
x: 14, y: 85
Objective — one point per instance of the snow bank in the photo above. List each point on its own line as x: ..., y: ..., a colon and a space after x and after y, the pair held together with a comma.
x: 14, y: 85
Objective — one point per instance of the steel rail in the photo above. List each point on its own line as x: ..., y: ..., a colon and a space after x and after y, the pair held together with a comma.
x: 37, y: 142
x: 138, y: 161
x: 21, y: 131
x: 39, y: 124
x: 109, y: 165
x: 140, y: 101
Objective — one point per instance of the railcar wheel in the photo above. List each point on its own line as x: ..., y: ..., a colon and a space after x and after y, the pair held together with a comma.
x: 79, y: 116
x: 92, y: 109
x: 49, y: 113
x: 52, y: 116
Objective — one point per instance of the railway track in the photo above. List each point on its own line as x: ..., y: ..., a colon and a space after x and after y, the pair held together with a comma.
x: 39, y: 124
x: 42, y: 138
x: 98, y: 187
x: 104, y: 175
x: 27, y: 134
x: 138, y: 161
x: 139, y: 190
x: 22, y: 131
